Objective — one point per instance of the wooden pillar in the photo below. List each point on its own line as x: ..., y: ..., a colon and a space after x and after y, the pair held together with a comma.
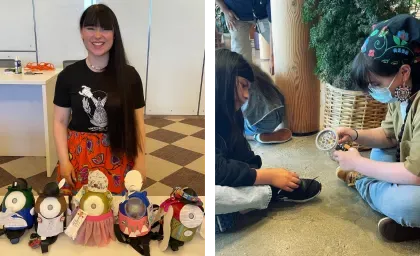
x: 294, y: 65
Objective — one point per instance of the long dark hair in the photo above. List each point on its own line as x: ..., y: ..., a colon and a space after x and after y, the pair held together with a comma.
x: 265, y: 84
x: 122, y: 129
x: 229, y: 121
x: 363, y: 65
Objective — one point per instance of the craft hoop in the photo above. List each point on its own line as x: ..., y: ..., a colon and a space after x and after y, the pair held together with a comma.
x: 330, y: 145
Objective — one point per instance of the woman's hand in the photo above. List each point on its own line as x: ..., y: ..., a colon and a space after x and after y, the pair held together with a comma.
x: 230, y: 18
x: 278, y: 177
x: 67, y: 172
x: 345, y: 134
x: 348, y: 160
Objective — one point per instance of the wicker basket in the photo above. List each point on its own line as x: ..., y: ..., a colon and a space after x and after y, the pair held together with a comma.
x: 352, y: 109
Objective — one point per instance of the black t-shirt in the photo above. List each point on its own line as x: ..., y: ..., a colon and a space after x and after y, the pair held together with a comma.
x: 84, y: 91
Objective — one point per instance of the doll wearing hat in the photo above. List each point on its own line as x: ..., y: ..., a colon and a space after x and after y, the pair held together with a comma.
x: 15, y: 212
x: 183, y: 216
x: 50, y: 208
x: 93, y: 220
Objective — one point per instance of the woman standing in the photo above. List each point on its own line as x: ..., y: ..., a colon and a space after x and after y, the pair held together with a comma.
x: 388, y: 67
x: 103, y: 96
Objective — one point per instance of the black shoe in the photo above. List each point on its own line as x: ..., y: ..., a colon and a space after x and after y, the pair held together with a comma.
x: 307, y: 190
x: 392, y: 231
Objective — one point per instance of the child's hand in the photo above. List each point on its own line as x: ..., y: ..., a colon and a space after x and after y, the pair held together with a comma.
x: 278, y: 177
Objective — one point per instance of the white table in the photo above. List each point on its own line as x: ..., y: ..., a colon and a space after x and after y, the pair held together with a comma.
x: 26, y: 116
x: 66, y: 247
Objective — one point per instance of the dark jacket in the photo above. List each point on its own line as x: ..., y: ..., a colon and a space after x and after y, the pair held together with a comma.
x: 246, y: 9
x: 235, y: 164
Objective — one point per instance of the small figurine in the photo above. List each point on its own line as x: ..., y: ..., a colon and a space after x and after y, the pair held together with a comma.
x: 15, y: 214
x: 51, y: 209
x: 93, y: 221
x: 183, y: 214
x: 135, y: 216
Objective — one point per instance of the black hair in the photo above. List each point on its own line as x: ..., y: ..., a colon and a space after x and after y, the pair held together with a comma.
x: 229, y: 121
x: 363, y: 65
x: 122, y: 129
x: 265, y: 85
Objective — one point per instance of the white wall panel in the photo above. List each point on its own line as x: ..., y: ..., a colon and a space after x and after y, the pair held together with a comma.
x: 17, y: 25
x: 58, y: 34
x: 176, y: 57
x: 133, y: 18
x: 202, y: 97
x: 25, y: 57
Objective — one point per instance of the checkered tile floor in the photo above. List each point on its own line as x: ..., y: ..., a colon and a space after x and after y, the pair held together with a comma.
x: 174, y: 157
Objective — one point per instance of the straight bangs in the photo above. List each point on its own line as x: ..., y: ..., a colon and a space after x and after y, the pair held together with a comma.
x: 97, y: 16
x: 363, y: 66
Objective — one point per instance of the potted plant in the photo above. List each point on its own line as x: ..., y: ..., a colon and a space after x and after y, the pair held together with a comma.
x: 338, y: 30
x: 222, y: 30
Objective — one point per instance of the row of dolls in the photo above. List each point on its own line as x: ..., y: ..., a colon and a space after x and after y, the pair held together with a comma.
x: 94, y: 222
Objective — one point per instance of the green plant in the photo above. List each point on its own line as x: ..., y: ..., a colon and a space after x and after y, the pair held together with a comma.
x: 338, y: 30
x: 220, y: 21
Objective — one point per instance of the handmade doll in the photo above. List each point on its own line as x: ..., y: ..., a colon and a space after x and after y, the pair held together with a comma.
x: 51, y: 209
x: 93, y: 221
x: 135, y: 216
x: 183, y: 214
x: 15, y: 215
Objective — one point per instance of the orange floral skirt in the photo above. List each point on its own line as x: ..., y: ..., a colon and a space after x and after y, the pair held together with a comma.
x: 90, y: 152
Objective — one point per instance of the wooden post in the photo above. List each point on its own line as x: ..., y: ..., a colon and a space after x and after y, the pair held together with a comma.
x: 294, y: 65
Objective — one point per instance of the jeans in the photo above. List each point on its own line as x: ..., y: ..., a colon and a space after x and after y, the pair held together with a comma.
x: 399, y: 202
x: 230, y: 201
x: 240, y: 37
x: 269, y: 124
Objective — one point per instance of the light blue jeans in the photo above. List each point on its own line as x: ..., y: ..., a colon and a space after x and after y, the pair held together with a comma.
x: 266, y: 125
x: 399, y: 202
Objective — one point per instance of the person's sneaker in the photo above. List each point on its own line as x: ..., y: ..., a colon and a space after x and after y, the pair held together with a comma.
x: 307, y: 190
x: 281, y: 136
x: 392, y: 231
x: 348, y: 177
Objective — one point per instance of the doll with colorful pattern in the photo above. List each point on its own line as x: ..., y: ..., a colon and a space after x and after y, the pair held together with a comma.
x: 182, y: 215
x: 15, y: 214
x: 93, y: 220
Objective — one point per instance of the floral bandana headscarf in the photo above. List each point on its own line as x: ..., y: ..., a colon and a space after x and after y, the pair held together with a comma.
x: 395, y: 41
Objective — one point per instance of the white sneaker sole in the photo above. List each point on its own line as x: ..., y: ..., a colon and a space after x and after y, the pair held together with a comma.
x: 382, y: 220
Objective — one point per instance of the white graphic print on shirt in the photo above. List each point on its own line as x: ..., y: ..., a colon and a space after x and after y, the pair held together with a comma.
x: 98, y: 99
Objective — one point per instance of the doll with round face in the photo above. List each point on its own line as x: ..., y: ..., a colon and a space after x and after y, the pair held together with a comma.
x: 93, y: 220
x: 50, y: 208
x: 134, y: 215
x: 183, y: 216
x: 15, y: 214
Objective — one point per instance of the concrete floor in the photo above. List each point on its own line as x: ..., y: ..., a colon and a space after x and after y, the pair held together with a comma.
x: 338, y: 222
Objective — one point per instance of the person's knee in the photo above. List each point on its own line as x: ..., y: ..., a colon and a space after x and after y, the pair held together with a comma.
x: 383, y: 155
x: 405, y: 210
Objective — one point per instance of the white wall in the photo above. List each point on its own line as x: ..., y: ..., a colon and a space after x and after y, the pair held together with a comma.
x: 176, y: 57
x: 133, y: 18
x: 176, y: 49
x: 202, y: 98
x: 17, y: 25
x: 57, y: 30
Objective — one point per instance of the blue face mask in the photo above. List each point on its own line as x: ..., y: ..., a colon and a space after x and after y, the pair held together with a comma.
x: 244, y: 106
x: 382, y: 95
